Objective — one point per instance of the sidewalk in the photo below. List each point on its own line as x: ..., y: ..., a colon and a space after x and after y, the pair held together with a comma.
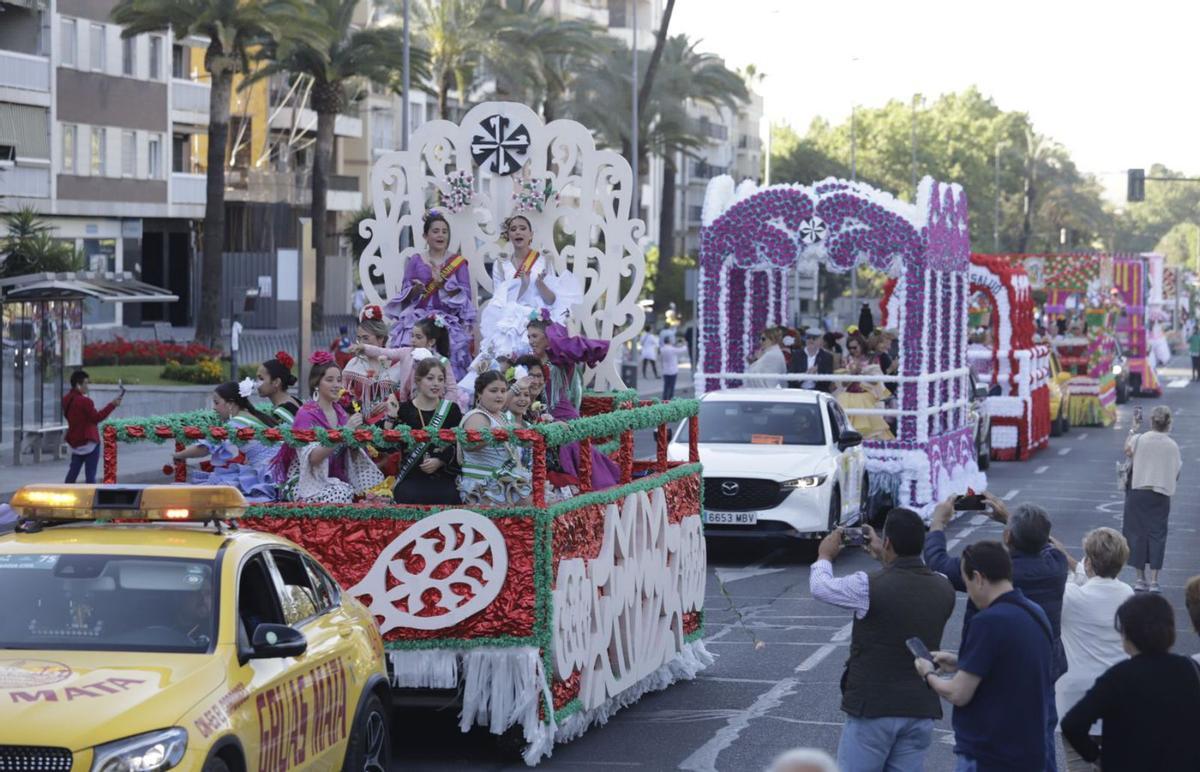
x: 651, y: 387
x: 136, y: 463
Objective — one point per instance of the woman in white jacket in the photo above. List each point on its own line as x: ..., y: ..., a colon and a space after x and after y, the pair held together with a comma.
x: 768, y: 360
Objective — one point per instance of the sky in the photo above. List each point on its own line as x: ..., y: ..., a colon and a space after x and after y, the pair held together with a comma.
x: 1113, y: 83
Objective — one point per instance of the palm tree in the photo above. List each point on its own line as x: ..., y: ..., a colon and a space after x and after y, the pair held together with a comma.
x: 233, y: 28
x: 457, y: 39
x: 336, y: 59
x: 535, y: 54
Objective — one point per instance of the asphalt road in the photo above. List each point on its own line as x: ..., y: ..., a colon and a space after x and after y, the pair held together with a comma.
x: 780, y: 653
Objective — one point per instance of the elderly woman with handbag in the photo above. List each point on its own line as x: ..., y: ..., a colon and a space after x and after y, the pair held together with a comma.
x: 1154, y: 465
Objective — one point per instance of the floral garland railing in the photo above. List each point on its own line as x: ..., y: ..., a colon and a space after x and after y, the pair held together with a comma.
x: 204, y: 425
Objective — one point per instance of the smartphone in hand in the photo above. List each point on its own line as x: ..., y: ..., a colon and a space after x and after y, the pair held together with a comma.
x: 854, y: 537
x: 918, y: 649
x: 971, y: 503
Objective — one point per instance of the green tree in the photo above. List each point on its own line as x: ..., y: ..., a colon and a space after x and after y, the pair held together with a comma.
x: 457, y: 39
x: 337, y: 58
x: 233, y: 28
x: 29, y: 246
x: 1141, y: 226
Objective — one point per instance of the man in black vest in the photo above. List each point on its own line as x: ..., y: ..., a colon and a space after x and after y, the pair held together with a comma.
x: 812, y: 360
x: 890, y: 715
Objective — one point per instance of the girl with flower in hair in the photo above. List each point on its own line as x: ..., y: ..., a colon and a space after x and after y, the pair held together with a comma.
x: 436, y: 282
x: 430, y: 337
x: 274, y: 381
x: 326, y: 473
x: 426, y: 473
x: 563, y: 360
x: 493, y: 474
x: 371, y: 378
x: 524, y: 284
x: 247, y: 467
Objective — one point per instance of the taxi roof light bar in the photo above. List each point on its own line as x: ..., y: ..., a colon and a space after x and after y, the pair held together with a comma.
x: 176, y: 503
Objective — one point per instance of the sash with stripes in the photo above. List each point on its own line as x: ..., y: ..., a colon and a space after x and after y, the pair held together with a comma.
x: 435, y: 423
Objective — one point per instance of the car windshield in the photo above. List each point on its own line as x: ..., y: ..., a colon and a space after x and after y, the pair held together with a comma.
x: 759, y: 423
x: 106, y: 603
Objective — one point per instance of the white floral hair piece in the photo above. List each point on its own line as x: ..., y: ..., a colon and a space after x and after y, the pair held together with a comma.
x: 421, y: 353
x: 246, y: 388
x: 788, y: 340
x: 439, y: 321
x: 520, y: 371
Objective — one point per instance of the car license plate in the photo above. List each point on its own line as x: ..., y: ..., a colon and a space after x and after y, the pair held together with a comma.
x: 731, y: 518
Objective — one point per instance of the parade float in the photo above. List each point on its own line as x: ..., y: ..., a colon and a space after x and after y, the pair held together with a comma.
x: 547, y: 618
x: 1007, y: 361
x: 750, y: 240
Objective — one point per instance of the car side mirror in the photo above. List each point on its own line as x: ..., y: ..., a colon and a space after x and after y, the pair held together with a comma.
x: 273, y: 641
x: 849, y: 438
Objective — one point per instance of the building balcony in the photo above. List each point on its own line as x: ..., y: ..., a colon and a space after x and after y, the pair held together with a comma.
x: 189, y: 102
x: 24, y: 182
x: 24, y: 78
x: 188, y: 188
x: 304, y: 119
x: 294, y: 188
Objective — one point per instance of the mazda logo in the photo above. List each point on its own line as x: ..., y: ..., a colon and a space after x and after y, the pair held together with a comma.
x: 730, y: 488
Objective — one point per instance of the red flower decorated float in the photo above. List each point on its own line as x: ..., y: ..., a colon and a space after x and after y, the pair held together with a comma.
x: 752, y: 238
x: 547, y: 617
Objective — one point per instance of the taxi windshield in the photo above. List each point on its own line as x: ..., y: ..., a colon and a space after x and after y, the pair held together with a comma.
x: 758, y: 423
x: 106, y: 603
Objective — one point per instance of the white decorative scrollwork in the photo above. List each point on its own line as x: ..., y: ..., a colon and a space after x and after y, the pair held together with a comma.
x: 635, y: 592
x: 470, y: 541
x: 586, y: 228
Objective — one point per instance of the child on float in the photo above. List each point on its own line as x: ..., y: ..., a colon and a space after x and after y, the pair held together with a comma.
x: 370, y: 378
x: 319, y: 473
x: 563, y: 359
x: 275, y: 381
x: 523, y: 413
x: 247, y: 467
x: 436, y: 283
x: 492, y: 474
x: 426, y: 472
x: 429, y: 336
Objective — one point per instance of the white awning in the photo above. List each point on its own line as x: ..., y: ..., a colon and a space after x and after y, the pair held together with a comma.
x: 105, y: 287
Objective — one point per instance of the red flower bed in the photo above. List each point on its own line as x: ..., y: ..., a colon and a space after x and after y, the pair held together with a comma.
x: 145, y: 352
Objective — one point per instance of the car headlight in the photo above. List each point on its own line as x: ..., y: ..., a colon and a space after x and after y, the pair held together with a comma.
x: 812, y: 481
x: 1116, y: 369
x: 149, y: 752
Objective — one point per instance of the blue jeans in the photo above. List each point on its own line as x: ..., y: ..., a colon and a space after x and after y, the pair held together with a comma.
x: 887, y: 743
x: 88, y: 462
x: 669, y: 387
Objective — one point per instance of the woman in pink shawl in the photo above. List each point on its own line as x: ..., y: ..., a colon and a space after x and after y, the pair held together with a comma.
x: 563, y: 360
x: 315, y: 472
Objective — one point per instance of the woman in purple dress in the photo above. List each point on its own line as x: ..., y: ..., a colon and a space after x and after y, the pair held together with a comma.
x: 436, y: 282
x: 563, y: 360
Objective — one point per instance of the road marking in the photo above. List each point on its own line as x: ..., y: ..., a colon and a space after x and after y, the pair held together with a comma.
x: 1064, y: 451
x: 1082, y: 436
x: 815, y: 658
x: 704, y: 758
x: 1178, y: 383
x: 979, y: 519
x: 1040, y: 469
x: 727, y: 575
x: 1012, y: 494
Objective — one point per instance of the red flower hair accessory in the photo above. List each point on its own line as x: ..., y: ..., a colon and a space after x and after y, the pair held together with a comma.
x: 320, y: 358
x: 371, y: 312
x: 285, y: 359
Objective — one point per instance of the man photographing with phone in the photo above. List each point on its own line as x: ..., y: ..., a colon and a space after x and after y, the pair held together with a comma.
x: 890, y: 713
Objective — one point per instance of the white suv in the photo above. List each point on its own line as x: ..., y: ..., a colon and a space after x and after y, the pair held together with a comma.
x: 777, y: 462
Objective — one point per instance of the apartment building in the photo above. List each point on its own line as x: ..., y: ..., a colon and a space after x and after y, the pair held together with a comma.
x: 107, y: 138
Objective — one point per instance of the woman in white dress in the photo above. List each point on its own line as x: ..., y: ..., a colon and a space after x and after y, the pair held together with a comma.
x: 768, y: 360
x: 524, y: 284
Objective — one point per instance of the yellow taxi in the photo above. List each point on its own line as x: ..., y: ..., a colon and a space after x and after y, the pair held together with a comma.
x: 170, y: 639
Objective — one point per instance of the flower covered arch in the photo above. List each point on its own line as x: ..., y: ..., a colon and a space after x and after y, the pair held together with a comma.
x: 752, y: 237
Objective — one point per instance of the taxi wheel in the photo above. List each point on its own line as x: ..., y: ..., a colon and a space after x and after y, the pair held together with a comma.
x: 370, y: 744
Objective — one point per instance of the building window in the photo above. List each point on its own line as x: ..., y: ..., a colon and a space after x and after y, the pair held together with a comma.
x: 180, y: 154
x: 43, y: 45
x: 128, y: 154
x: 70, y: 45
x: 156, y: 44
x: 97, y: 47
x: 154, y: 153
x: 68, y: 148
x: 98, y: 149
x: 128, y: 57
x: 617, y: 13
x: 178, y: 68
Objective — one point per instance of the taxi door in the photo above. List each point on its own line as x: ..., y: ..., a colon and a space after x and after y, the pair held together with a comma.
x: 851, y: 464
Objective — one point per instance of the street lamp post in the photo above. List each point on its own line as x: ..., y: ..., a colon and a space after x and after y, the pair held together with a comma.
x: 634, y: 127
x: 406, y: 84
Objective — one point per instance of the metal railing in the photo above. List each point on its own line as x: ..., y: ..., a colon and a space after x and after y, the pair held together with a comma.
x: 189, y: 95
x: 25, y: 182
x: 188, y: 188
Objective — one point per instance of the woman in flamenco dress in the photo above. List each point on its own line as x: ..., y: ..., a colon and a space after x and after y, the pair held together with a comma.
x: 563, y: 360
x: 427, y: 473
x: 436, y: 282
x: 863, y: 395
x: 247, y: 467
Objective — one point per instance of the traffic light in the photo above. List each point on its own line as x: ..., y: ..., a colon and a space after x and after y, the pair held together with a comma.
x: 1136, y: 190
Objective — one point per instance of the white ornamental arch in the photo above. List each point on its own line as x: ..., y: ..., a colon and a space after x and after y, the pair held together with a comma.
x: 473, y: 172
